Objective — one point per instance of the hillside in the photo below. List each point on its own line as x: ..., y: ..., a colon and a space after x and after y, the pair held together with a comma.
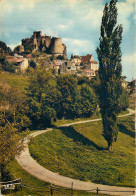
x: 80, y: 152
x: 15, y: 80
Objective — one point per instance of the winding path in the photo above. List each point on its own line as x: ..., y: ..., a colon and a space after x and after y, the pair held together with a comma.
x: 33, y: 168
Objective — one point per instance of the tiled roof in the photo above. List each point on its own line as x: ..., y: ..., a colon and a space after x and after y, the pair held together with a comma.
x: 19, y: 60
x: 86, y: 58
x: 12, y: 59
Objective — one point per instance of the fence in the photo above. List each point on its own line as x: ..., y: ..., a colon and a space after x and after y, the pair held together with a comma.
x: 54, y: 189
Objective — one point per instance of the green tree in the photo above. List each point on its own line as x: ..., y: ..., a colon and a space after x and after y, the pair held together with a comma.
x: 32, y: 64
x: 124, y: 100
x: 11, y: 144
x: 109, y: 55
x: 88, y: 101
x: 13, y: 107
x: 43, y: 97
x: 67, y: 85
x: 10, y: 67
x: 4, y: 50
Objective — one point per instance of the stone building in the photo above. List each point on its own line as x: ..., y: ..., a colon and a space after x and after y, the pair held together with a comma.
x: 88, y: 73
x: 77, y: 60
x: 89, y: 63
x: 20, y: 62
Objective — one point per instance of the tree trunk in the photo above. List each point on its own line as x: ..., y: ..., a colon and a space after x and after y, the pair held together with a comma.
x: 110, y: 147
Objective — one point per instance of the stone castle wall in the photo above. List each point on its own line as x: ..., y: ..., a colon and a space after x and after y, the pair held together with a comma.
x: 45, y: 43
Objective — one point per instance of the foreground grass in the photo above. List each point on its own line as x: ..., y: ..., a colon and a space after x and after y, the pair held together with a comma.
x: 36, y: 187
x: 15, y: 80
x: 80, y: 152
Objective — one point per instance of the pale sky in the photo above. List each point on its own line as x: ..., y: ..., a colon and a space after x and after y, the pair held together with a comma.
x: 77, y: 22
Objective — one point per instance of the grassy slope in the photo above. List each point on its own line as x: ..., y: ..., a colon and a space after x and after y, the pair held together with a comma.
x: 80, y: 152
x: 15, y: 80
x: 27, y: 179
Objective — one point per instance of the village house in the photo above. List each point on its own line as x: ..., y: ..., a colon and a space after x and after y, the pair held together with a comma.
x: 77, y: 61
x: 89, y: 63
x: 68, y: 67
x: 62, y: 69
x: 88, y: 73
x: 56, y: 64
x: 20, y: 62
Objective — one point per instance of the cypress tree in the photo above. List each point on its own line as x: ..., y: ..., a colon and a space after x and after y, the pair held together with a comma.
x: 110, y: 68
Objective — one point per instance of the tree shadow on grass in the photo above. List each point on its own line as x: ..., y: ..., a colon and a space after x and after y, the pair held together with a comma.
x: 77, y: 137
x: 126, y: 131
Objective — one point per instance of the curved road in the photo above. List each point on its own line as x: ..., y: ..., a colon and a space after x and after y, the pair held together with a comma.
x: 33, y: 168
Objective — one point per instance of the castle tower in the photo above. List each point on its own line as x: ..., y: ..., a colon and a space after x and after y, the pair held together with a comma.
x: 37, y: 34
x: 36, y: 38
x: 57, y: 47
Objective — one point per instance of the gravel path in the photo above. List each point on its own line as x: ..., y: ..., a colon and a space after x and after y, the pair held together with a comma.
x: 33, y: 168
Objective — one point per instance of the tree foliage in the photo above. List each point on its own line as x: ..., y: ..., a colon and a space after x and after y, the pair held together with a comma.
x: 13, y: 107
x: 32, y: 64
x: 13, y: 120
x: 4, y: 49
x: 10, y: 67
x: 109, y: 55
x: 76, y: 100
x: 11, y: 143
x: 43, y: 97
x: 52, y: 97
x: 67, y: 85
x: 124, y: 100
x: 88, y: 101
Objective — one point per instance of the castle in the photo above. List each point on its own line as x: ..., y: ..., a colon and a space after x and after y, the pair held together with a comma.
x: 43, y: 43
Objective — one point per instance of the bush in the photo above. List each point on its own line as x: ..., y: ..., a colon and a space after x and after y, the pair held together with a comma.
x: 124, y: 100
x: 9, y: 67
x: 32, y: 64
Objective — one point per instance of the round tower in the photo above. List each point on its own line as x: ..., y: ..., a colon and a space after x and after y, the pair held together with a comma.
x: 57, y: 47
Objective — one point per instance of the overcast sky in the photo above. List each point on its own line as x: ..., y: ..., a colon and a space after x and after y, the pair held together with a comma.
x: 77, y: 22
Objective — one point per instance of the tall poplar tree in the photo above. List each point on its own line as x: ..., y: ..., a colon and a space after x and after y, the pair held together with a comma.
x: 110, y: 68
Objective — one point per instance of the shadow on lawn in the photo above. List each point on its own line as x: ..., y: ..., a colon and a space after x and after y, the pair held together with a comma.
x: 126, y: 131
x: 77, y: 137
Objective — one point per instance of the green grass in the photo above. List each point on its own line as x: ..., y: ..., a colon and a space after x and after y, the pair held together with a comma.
x: 15, y: 80
x: 17, y: 172
x: 80, y: 152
